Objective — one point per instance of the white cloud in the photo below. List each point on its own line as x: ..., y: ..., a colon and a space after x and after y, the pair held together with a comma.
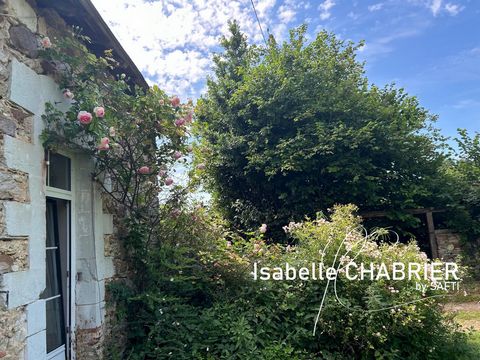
x: 353, y: 16
x: 286, y: 13
x: 325, y: 8
x: 171, y: 40
x: 466, y: 104
x: 435, y: 6
x: 375, y: 7
x: 453, y: 9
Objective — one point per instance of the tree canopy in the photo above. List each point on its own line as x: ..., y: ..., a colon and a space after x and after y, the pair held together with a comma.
x: 292, y: 129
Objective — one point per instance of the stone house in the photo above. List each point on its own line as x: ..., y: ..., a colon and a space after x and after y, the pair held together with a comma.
x: 57, y: 251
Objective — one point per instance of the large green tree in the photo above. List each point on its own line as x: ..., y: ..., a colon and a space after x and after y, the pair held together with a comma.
x: 292, y: 129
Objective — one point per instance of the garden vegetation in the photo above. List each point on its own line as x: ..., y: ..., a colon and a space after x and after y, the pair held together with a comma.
x: 282, y: 131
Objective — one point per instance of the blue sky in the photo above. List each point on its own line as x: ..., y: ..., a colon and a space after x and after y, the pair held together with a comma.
x: 429, y: 47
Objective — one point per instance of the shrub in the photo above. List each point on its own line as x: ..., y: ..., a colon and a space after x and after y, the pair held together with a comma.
x: 201, y: 302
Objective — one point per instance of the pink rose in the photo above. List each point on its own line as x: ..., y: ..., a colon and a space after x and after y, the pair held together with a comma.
x: 189, y: 117
x: 99, y: 111
x: 67, y: 94
x: 177, y: 155
x: 175, y: 101
x: 46, y: 43
x: 201, y: 166
x: 111, y: 131
x: 84, y: 117
x: 229, y: 244
x: 179, y: 122
x: 189, y: 148
x: 162, y: 173
x: 104, y: 144
x: 168, y: 181
x: 175, y: 213
x: 263, y: 228
x: 144, y: 170
x: 161, y: 102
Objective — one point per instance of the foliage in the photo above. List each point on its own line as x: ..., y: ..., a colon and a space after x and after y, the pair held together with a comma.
x: 131, y: 134
x: 294, y: 129
x: 461, y: 180
x: 201, y: 301
x: 191, y: 294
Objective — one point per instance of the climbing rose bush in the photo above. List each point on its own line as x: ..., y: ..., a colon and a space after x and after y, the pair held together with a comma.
x: 131, y: 133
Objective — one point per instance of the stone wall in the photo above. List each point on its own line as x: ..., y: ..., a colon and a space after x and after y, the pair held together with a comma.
x: 18, y: 40
x: 449, y: 245
x: 26, y: 83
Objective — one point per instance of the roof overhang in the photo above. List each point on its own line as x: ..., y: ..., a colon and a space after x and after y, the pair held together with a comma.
x: 83, y: 13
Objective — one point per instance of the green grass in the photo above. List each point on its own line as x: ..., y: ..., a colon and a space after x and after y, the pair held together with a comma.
x: 467, y: 314
x: 474, y: 343
x: 469, y: 292
x: 471, y: 315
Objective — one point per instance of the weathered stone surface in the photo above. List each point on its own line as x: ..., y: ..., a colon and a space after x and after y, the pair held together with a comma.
x: 14, y: 254
x: 89, y: 343
x: 12, y: 333
x: 19, y: 114
x: 449, y: 246
x: 24, y: 40
x: 24, y: 122
x: 2, y: 220
x: 42, y: 27
x: 13, y: 186
x: 7, y: 126
x: 56, y: 25
x: 6, y: 263
x: 56, y: 69
x: 25, y: 13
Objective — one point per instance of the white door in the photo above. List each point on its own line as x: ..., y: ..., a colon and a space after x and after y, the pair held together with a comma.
x: 57, y: 294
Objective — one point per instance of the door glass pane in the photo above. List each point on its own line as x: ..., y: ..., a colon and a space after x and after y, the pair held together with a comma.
x: 53, y: 280
x: 57, y: 219
x: 59, y: 172
x: 55, y: 328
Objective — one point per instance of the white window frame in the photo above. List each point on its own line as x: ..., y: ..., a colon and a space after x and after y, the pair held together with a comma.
x: 56, y: 193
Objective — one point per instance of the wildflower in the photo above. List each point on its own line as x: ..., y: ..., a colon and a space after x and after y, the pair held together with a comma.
x: 177, y: 155
x: 144, y: 170
x: 84, y: 117
x: 67, y: 94
x: 179, y: 122
x: 168, y: 181
x: 175, y: 213
x: 46, y: 43
x: 99, y: 111
x: 263, y: 228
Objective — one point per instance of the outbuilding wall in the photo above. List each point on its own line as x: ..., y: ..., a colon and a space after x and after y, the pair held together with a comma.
x: 25, y: 87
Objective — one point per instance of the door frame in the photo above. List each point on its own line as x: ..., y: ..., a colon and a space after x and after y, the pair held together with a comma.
x: 55, y: 193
